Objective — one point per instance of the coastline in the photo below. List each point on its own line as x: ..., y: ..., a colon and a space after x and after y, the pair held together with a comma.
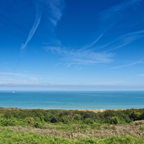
x: 99, y: 110
x: 91, y: 110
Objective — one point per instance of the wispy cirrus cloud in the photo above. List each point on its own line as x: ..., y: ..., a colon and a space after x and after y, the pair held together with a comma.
x: 54, y: 13
x: 95, y: 41
x: 13, y: 74
x: 55, y: 8
x: 81, y: 57
x: 127, y: 39
x: 127, y: 65
x: 87, y: 54
x: 35, y: 24
x: 6, y: 77
x: 109, y: 17
x: 116, y: 12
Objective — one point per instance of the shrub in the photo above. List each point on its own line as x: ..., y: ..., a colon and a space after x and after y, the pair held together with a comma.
x: 89, y: 114
x: 126, y: 118
x: 106, y: 120
x: 88, y: 121
x: 47, y: 118
x: 37, y: 119
x: 38, y: 125
x: 55, y: 119
x: 29, y: 120
x: 65, y: 119
x: 135, y: 115
x: 77, y: 117
x: 114, y: 120
x: 142, y: 116
x: 8, y: 115
x: 8, y: 122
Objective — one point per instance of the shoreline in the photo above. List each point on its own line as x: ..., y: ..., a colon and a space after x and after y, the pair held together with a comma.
x: 99, y: 110
x: 90, y: 110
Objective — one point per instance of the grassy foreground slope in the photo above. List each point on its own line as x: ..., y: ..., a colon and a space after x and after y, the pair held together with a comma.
x: 7, y: 136
x: 40, y: 126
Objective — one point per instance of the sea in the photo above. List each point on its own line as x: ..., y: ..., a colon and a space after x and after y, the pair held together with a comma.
x: 72, y: 99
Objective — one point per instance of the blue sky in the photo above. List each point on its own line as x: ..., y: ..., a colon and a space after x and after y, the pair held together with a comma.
x: 71, y: 45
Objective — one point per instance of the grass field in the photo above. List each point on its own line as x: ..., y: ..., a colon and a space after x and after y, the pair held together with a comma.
x: 7, y: 136
x: 71, y: 126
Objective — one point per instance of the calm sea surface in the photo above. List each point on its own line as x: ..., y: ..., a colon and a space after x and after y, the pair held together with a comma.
x: 72, y: 100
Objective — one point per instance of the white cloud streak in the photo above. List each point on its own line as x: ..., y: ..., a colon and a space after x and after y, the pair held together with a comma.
x: 35, y: 25
x: 111, y: 16
x: 13, y: 74
x: 55, y: 7
x: 94, y: 42
x: 81, y: 57
x: 127, y: 65
x: 116, y: 12
x: 128, y: 38
x: 16, y: 76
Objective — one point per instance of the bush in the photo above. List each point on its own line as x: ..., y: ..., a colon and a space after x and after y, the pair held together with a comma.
x: 77, y: 117
x: 65, y: 119
x: 126, y: 118
x: 29, y: 120
x: 55, y: 119
x: 8, y: 114
x: 142, y: 116
x: 38, y: 125
x: 135, y: 115
x: 88, y: 121
x: 47, y: 118
x: 8, y: 122
x: 114, y: 120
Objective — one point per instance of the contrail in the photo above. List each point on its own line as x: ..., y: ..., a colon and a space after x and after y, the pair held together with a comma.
x: 34, y: 27
x: 93, y: 43
x: 100, y: 36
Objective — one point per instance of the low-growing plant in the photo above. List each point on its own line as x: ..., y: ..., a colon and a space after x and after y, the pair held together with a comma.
x: 8, y: 122
x: 135, y: 115
x: 88, y: 121
x: 29, y: 120
x: 38, y: 125
x: 7, y: 136
x: 141, y: 127
x: 114, y: 120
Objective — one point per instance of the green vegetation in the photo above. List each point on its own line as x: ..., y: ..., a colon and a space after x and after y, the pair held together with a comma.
x: 7, y: 136
x: 38, y: 117
x: 71, y: 126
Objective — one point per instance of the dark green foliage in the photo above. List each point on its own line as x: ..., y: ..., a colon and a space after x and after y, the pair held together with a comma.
x: 125, y: 118
x: 77, y: 117
x: 65, y: 119
x: 29, y: 120
x: 135, y: 115
x: 8, y: 122
x: 88, y: 121
x: 114, y: 120
x: 8, y: 114
x: 38, y: 117
x: 38, y: 125
x: 55, y: 119
x: 142, y: 116
x: 47, y: 118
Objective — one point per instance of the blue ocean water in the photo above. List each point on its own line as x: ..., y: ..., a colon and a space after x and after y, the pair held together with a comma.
x: 72, y: 100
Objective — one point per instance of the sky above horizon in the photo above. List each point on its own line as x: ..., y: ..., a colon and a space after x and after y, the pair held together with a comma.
x: 71, y: 45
